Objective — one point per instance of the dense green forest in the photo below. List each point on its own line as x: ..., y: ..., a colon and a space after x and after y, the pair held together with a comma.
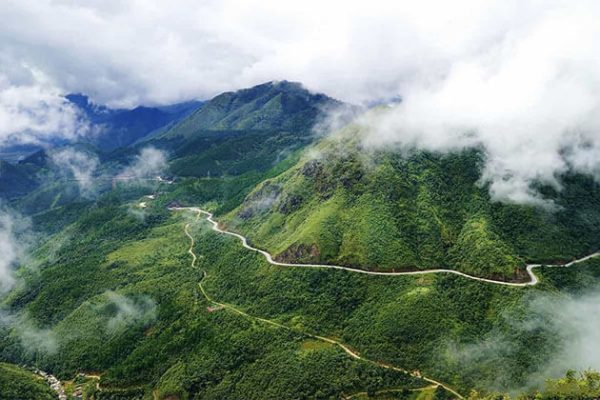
x: 19, y: 384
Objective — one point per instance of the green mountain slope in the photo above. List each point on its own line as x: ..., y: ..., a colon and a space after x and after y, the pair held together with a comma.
x: 247, y: 130
x: 382, y: 210
x: 19, y: 384
x: 272, y: 106
x: 110, y: 288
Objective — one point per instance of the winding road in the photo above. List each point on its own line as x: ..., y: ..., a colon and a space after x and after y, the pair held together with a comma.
x: 215, y: 226
x: 230, y: 307
x: 533, y: 279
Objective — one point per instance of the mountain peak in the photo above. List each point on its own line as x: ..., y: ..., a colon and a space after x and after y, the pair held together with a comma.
x: 270, y: 106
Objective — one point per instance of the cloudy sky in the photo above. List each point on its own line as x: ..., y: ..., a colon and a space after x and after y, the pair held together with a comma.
x: 151, y: 51
x: 519, y: 77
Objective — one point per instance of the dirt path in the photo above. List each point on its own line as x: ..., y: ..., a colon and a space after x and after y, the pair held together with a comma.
x: 352, y: 353
x: 533, y: 280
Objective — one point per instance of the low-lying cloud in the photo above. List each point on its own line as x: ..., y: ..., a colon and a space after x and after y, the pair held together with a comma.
x: 128, y: 311
x: 35, y: 112
x: 519, y: 79
x: 563, y: 330
x: 13, y: 242
x: 150, y: 163
x: 78, y: 165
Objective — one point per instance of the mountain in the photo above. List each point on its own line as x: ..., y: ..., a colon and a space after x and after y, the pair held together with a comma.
x: 383, y: 210
x: 248, y: 130
x: 272, y: 106
x: 121, y: 127
x: 130, y: 299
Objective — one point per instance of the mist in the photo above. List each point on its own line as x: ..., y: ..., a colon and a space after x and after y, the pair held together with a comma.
x: 128, y: 311
x: 149, y: 163
x: 518, y: 79
x: 80, y: 166
x: 553, y: 332
x: 14, y: 239
x: 35, y: 112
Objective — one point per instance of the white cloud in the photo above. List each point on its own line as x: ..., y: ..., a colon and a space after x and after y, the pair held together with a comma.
x: 125, y: 53
x: 35, y: 111
x: 78, y: 165
x: 521, y: 77
x: 150, y: 163
x: 564, y: 329
x: 129, y: 311
x: 13, y: 242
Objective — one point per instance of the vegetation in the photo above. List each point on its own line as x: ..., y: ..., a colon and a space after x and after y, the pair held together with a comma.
x: 19, y: 384
x: 109, y: 288
x: 346, y: 205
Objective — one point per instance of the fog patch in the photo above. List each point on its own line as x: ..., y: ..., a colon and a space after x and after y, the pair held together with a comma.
x: 33, y: 111
x: 149, y: 164
x: 127, y: 311
x: 260, y: 201
x: 529, y: 99
x: 80, y: 166
x: 554, y: 333
x: 31, y: 338
x: 14, y: 240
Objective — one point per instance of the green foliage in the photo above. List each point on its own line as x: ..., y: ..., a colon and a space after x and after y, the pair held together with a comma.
x: 19, y: 384
x: 572, y: 386
x: 342, y: 204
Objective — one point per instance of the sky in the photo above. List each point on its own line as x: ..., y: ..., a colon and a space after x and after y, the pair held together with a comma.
x: 517, y: 77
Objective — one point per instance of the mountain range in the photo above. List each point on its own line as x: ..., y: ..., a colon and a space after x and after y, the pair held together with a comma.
x: 128, y: 294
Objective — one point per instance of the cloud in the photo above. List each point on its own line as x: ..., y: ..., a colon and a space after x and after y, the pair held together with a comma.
x: 13, y: 242
x: 517, y: 78
x: 32, y: 339
x: 128, y: 311
x: 78, y: 165
x: 126, y: 53
x: 34, y: 112
x: 563, y: 328
x: 150, y: 163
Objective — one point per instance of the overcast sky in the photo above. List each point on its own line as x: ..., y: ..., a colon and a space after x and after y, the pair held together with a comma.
x: 155, y: 51
x: 521, y: 78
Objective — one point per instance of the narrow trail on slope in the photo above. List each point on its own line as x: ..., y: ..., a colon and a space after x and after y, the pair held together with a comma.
x: 341, y: 345
x: 391, y: 390
x: 529, y: 268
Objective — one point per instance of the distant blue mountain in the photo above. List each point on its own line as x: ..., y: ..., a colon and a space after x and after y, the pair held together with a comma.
x: 122, y: 127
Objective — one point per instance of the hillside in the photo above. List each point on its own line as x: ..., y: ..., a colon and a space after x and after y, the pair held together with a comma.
x: 383, y: 210
x: 20, y: 384
x: 248, y: 130
x: 111, y: 289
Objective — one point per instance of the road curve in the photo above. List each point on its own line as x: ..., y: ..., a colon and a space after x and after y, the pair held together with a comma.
x: 230, y: 307
x: 533, y: 279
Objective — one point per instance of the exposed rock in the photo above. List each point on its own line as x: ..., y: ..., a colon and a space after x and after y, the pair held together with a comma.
x: 300, y: 253
x: 312, y: 168
x: 289, y: 203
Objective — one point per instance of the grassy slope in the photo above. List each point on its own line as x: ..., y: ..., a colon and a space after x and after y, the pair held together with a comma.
x: 19, y: 384
x: 383, y: 210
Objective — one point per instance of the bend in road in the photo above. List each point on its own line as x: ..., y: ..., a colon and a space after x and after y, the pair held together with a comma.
x: 533, y: 279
